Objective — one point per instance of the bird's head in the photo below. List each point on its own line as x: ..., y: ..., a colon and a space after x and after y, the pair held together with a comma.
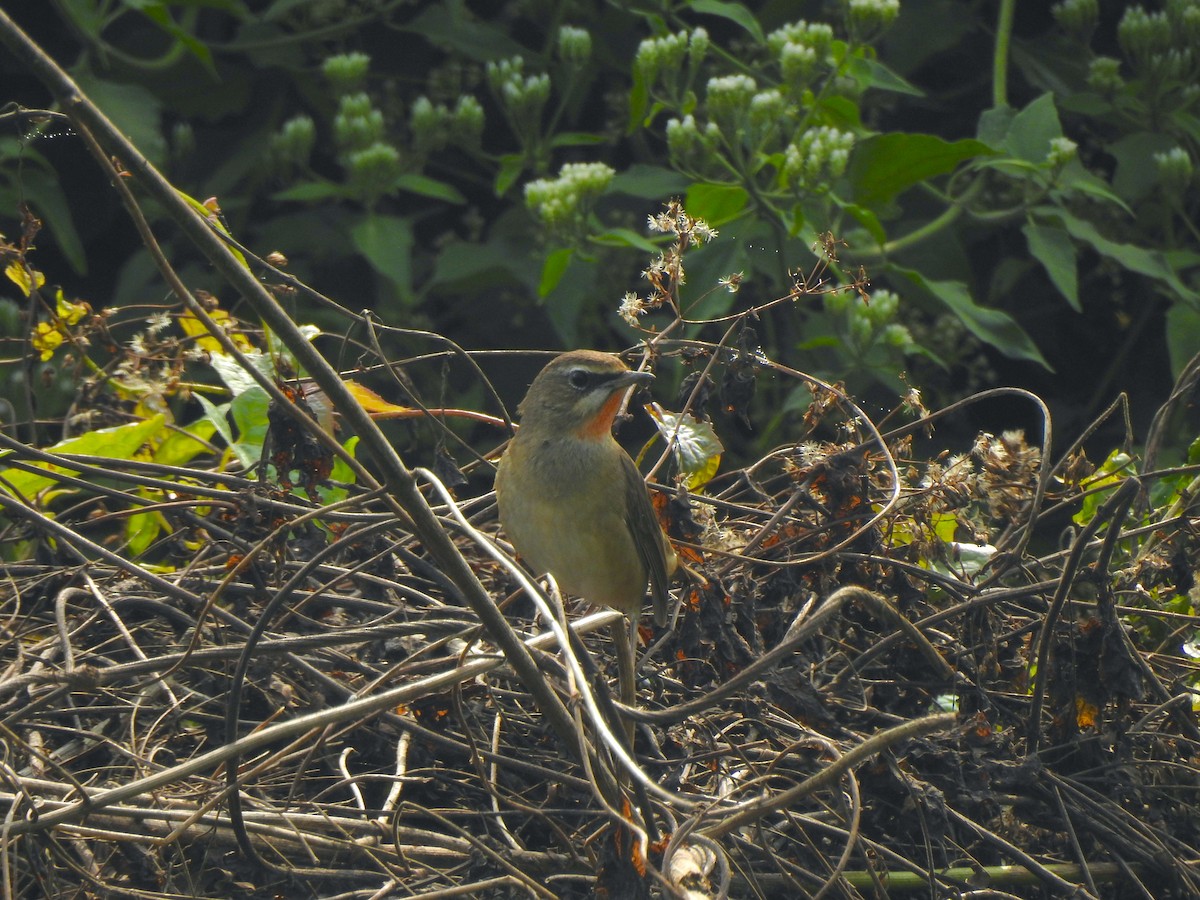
x: 579, y: 393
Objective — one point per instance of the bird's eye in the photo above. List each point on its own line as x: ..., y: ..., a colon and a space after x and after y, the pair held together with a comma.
x: 579, y: 379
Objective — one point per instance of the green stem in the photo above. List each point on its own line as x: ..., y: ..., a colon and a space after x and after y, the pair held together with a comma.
x: 914, y: 237
x: 1004, y: 26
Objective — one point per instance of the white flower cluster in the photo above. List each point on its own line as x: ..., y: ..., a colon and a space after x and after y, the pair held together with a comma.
x: 820, y: 155
x: 567, y: 199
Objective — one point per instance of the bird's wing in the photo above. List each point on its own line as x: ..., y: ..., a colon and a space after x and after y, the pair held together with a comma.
x: 648, y: 537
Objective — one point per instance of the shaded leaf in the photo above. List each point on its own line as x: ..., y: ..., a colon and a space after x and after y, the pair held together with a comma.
x: 132, y: 107
x: 576, y: 139
x: 386, y: 241
x: 649, y: 182
x: 553, y: 270
x: 734, y: 12
x: 511, y: 167
x: 429, y: 187
x: 992, y: 326
x: 312, y: 190
x: 1183, y: 335
x: 1052, y: 247
x: 452, y: 26
x: 1138, y: 259
x: 626, y: 237
x: 1032, y: 129
x: 884, y: 165
x: 872, y: 73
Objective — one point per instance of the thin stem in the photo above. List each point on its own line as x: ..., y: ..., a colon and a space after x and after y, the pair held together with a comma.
x: 1004, y: 26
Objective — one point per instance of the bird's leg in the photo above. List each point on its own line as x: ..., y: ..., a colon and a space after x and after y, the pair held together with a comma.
x: 624, y: 638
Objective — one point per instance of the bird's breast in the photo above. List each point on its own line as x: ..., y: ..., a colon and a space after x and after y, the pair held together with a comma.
x: 562, y: 504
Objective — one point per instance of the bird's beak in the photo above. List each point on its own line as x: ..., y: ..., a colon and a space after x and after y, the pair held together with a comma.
x: 625, y: 379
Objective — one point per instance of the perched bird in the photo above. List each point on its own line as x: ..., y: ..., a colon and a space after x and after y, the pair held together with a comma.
x: 572, y: 501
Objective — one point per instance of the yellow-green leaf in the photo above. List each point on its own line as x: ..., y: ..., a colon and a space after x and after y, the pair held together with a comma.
x: 70, y: 312
x: 119, y: 442
x: 46, y: 339
x: 694, y: 444
x: 23, y: 276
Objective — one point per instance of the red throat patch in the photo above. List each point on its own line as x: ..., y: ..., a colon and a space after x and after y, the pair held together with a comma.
x: 601, y: 424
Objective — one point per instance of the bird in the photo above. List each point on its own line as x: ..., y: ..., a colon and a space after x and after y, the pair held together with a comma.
x: 573, y: 502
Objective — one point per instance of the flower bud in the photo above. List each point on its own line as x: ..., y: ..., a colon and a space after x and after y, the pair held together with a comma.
x: 1077, y: 17
x: 728, y: 98
x: 1175, y: 171
x: 292, y: 145
x: 357, y: 124
x: 574, y: 46
x: 466, y: 123
x: 1062, y: 151
x: 1104, y: 75
x: 867, y: 19
x: 373, y: 170
x: 1143, y: 36
x: 698, y: 44
x: 346, y: 71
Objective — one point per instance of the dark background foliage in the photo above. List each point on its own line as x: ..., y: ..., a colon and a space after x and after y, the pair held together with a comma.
x: 1068, y: 268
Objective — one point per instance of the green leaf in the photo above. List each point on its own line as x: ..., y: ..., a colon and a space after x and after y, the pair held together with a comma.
x: 467, y: 267
x: 868, y: 220
x: 716, y: 204
x: 215, y: 416
x: 143, y: 528
x: 451, y: 26
x: 214, y: 222
x: 576, y: 139
x: 1107, y: 476
x: 649, y: 182
x: 884, y: 165
x: 182, y: 446
x: 312, y: 190
x: 119, y: 442
x: 1183, y: 335
x: 249, y: 411
x: 43, y: 191
x: 992, y: 326
x: 994, y: 124
x: 1150, y: 263
x: 1074, y: 177
x: 341, y: 469
x: 1136, y: 175
x: 133, y: 108
x: 1032, y: 129
x: 281, y: 9
x: 840, y: 112
x: 871, y: 73
x: 734, y: 12
x: 511, y: 167
x: 415, y: 183
x: 1052, y: 247
x: 234, y: 376
x: 160, y: 15
x: 386, y: 241
x: 553, y: 270
x: 627, y: 237
x: 574, y: 298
